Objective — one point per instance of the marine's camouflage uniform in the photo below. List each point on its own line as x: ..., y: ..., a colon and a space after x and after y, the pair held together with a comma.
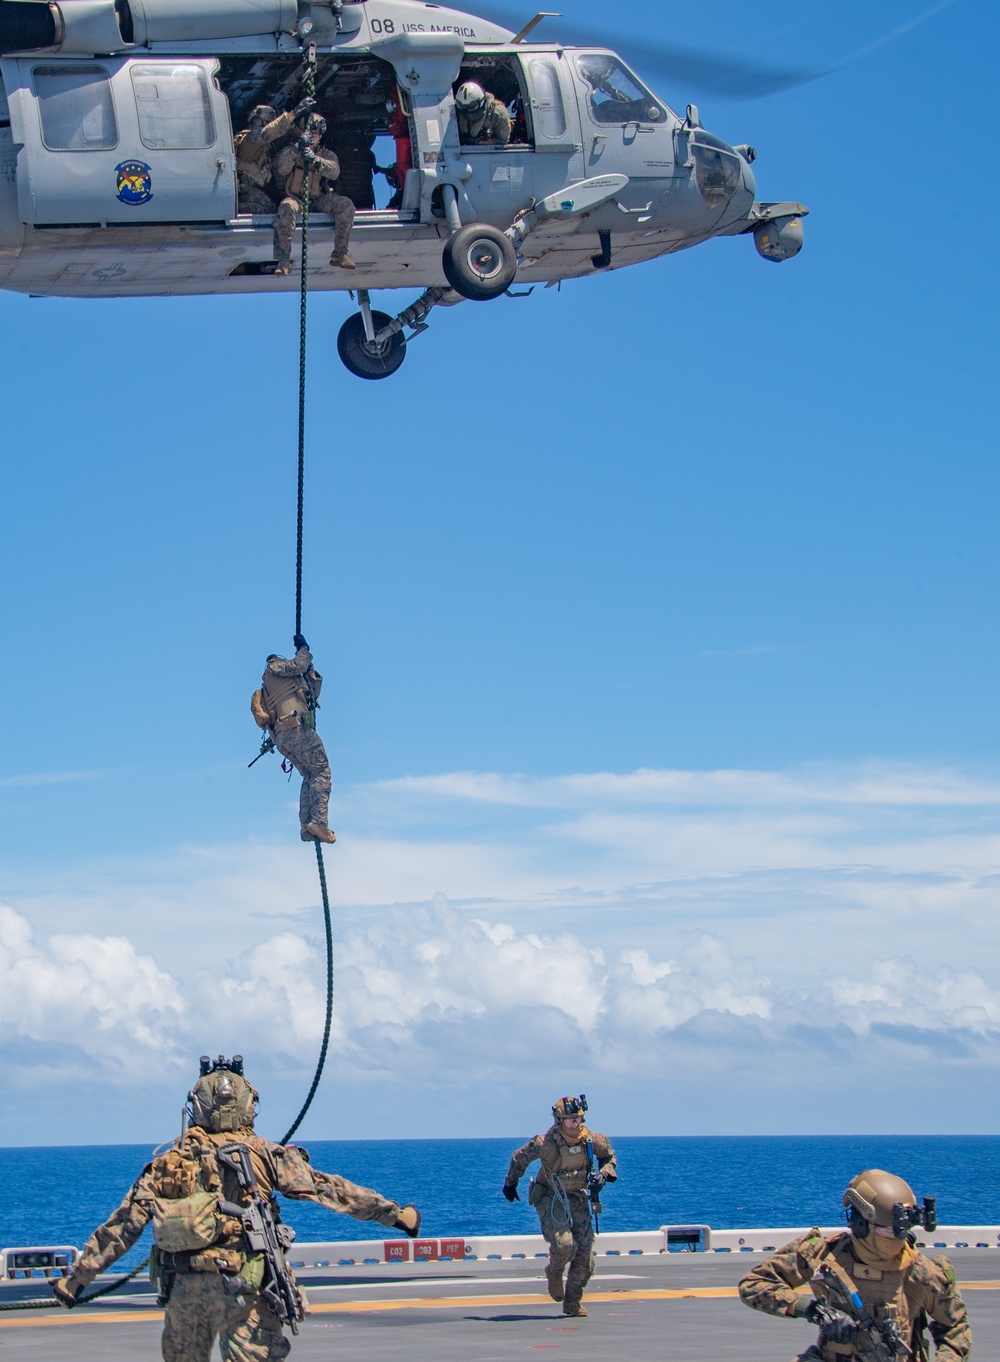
x: 253, y: 163
x: 201, y: 1307
x: 570, y: 1237
x: 289, y: 169
x: 294, y: 730
x: 922, y: 1289
x: 492, y: 124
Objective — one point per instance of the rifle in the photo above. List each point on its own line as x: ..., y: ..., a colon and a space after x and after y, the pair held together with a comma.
x: 265, y: 1235
x: 878, y: 1340
x: 594, y: 1185
x: 266, y: 746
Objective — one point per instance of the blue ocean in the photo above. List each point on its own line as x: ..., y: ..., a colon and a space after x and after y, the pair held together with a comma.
x: 58, y: 1195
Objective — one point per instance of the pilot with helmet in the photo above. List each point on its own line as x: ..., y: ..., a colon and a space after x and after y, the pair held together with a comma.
x: 893, y: 1293
x: 574, y: 1161
x: 482, y: 118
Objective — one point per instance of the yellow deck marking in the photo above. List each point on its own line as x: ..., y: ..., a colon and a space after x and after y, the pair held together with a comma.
x: 366, y: 1307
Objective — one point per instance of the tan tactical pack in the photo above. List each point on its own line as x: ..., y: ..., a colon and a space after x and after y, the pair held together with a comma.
x: 182, y: 1224
x: 259, y: 711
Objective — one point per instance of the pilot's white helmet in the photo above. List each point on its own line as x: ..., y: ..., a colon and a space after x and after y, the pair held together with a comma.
x: 470, y: 96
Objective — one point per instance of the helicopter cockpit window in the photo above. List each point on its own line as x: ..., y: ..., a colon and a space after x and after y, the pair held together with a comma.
x: 76, y: 108
x: 615, y: 94
x: 717, y: 168
x: 175, y: 109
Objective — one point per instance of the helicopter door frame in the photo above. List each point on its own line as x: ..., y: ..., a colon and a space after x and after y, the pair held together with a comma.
x: 109, y: 140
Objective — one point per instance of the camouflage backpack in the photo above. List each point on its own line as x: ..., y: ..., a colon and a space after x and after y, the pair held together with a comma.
x: 185, y: 1216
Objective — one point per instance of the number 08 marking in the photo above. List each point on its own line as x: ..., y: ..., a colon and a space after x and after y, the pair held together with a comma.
x: 383, y: 26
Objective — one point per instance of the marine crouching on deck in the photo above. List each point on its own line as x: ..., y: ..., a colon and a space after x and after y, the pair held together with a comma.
x: 873, y: 1295
x: 218, y: 1258
x: 575, y: 1164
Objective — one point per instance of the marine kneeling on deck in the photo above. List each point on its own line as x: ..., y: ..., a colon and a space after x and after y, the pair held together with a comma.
x: 568, y: 1152
x: 218, y: 1257
x: 873, y: 1295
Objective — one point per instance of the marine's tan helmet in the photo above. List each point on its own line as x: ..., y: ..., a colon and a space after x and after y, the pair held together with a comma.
x: 222, y: 1099
x: 569, y: 1106
x: 871, y: 1196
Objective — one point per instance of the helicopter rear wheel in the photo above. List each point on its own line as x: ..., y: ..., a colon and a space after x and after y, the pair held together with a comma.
x: 479, y: 262
x: 363, y: 357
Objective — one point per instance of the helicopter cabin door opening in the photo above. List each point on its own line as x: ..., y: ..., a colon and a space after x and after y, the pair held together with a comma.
x: 368, y: 127
x: 120, y: 141
x: 544, y: 150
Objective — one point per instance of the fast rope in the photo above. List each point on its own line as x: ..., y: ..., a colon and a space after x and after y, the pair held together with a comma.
x: 310, y: 90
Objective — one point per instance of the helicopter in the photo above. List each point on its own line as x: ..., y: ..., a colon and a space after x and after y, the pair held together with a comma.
x: 118, y: 170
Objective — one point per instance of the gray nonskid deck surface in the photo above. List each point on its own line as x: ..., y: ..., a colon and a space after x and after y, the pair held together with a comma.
x: 692, y: 1329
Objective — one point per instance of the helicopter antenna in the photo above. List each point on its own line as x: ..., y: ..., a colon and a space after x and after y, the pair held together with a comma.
x: 533, y: 24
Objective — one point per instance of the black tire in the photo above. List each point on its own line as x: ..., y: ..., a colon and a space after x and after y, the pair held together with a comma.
x: 363, y: 359
x: 479, y: 262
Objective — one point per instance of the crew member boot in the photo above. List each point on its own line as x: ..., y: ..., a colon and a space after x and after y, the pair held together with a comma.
x: 554, y: 1277
x: 316, y: 832
x: 283, y: 267
x: 342, y: 260
x: 573, y: 1306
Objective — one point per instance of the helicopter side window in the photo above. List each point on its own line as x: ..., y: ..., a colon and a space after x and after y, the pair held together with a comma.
x: 76, y: 108
x: 175, y: 109
x: 615, y: 95
x: 546, y: 97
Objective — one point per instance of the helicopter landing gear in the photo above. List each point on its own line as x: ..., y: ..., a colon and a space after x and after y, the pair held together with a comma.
x: 364, y: 346
x: 479, y: 262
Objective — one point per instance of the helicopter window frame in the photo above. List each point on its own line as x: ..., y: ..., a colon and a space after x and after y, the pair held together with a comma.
x: 169, y: 110
x: 644, y: 110
x: 545, y: 104
x: 60, y: 125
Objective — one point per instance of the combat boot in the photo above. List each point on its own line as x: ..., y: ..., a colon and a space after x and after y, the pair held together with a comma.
x: 316, y: 832
x: 342, y: 260
x: 283, y: 267
x: 574, y: 1306
x: 554, y: 1277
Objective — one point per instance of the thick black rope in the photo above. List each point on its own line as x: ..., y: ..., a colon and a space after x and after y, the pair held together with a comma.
x: 310, y: 89
x: 329, y: 998
x: 116, y: 1285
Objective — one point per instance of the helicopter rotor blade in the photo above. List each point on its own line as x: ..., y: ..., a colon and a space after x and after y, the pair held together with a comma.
x: 725, y: 76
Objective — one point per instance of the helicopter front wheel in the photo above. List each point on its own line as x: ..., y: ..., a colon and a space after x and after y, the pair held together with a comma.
x: 365, y: 358
x: 479, y: 262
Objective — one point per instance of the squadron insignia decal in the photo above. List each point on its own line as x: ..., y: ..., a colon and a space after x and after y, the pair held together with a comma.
x: 135, y: 182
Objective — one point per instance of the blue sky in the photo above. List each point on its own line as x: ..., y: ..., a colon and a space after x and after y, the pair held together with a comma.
x: 705, y: 515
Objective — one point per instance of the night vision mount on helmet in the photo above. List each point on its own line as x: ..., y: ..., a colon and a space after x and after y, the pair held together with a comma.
x: 570, y: 1106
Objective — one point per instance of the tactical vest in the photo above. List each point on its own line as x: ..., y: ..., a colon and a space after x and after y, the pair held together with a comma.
x: 877, y: 1287
x: 289, y: 700
x: 297, y: 175
x: 566, y: 1161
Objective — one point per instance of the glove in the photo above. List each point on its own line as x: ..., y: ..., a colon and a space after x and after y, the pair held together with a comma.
x: 599, y: 1181
x: 303, y: 107
x: 837, y: 1326
x: 299, y: 641
x: 66, y: 1290
x: 510, y: 1191
x: 408, y: 1222
x: 308, y: 155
